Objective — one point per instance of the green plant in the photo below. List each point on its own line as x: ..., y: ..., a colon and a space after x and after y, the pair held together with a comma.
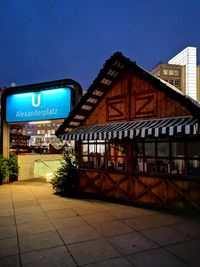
x: 4, y: 170
x: 13, y: 166
x: 65, y: 180
x: 8, y: 167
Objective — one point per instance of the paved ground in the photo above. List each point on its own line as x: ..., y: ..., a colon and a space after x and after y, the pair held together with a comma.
x: 38, y: 228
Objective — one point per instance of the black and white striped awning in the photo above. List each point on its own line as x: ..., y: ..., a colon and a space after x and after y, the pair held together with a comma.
x: 131, y: 129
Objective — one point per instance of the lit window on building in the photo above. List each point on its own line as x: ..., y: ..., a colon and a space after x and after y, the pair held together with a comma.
x: 171, y: 72
x: 177, y: 82
x: 165, y: 72
x: 176, y: 72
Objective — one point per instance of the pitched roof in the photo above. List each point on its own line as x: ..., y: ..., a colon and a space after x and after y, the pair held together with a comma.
x: 112, y: 70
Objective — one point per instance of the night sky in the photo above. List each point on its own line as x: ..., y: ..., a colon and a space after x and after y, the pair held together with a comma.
x: 46, y: 40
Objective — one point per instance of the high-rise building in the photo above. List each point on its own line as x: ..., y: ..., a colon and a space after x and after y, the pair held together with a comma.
x: 182, y: 71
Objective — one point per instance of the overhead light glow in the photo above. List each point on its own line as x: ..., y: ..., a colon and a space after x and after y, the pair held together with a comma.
x: 38, y: 122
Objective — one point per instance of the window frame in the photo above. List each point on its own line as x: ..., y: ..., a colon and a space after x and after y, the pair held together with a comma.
x: 177, y: 165
x: 182, y: 159
x: 110, y: 161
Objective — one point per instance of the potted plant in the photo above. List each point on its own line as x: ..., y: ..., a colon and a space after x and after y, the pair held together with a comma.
x: 65, y: 180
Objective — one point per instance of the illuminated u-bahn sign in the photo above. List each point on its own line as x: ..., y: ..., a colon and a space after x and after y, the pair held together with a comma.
x: 38, y: 105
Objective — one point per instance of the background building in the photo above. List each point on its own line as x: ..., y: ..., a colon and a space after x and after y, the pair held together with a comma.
x: 182, y: 71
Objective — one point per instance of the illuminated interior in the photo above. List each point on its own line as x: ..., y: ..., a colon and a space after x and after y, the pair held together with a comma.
x: 28, y: 136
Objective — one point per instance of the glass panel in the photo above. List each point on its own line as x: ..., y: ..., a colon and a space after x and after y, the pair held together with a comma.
x: 110, y: 148
x: 92, y: 148
x: 178, y: 166
x: 149, y: 149
x: 84, y: 149
x: 193, y: 166
x: 101, y: 162
x: 163, y: 166
x: 150, y: 165
x: 120, y: 149
x: 85, y: 163
x: 178, y: 149
x: 163, y: 149
x: 193, y: 149
x: 137, y: 152
x: 101, y: 149
x: 140, y: 166
x: 92, y: 161
x: 111, y: 163
x: 140, y: 149
x: 120, y: 163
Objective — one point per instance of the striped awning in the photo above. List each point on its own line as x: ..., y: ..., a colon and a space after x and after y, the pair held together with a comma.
x: 131, y: 129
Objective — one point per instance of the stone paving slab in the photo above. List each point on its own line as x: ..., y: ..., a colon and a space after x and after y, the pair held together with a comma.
x: 7, y: 220
x: 156, y: 258
x: 52, y: 257
x: 78, y: 234
x: 131, y: 243
x: 9, y: 247
x: 10, y: 261
x: 39, y: 241
x: 187, y: 251
x: 92, y: 251
x: 116, y: 262
x: 170, y: 235
x: 30, y: 217
x: 61, y: 213
x: 112, y: 228
x: 38, y: 228
x: 8, y: 231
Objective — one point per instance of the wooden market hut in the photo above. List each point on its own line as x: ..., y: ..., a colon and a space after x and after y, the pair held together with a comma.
x: 137, y: 138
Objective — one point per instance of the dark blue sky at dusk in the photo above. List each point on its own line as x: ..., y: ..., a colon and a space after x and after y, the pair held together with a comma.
x: 46, y: 40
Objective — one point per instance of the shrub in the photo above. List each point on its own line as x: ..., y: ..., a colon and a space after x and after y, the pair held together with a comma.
x: 9, y: 167
x: 66, y: 180
x: 13, y: 167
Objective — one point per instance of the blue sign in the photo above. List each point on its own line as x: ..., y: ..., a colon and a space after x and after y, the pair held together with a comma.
x: 36, y: 106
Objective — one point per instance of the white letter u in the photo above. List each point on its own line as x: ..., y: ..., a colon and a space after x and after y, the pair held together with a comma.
x: 33, y: 101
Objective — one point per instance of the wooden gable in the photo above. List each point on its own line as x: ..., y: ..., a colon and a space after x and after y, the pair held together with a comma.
x: 133, y: 98
x: 123, y: 91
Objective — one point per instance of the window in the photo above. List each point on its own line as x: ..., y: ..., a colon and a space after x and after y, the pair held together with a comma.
x: 178, y: 158
x: 193, y: 158
x: 165, y: 72
x: 103, y: 155
x: 171, y: 82
x: 163, y: 157
x: 171, y: 72
x: 158, y: 73
x: 167, y: 156
x: 152, y: 156
x: 176, y: 73
x: 177, y: 82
